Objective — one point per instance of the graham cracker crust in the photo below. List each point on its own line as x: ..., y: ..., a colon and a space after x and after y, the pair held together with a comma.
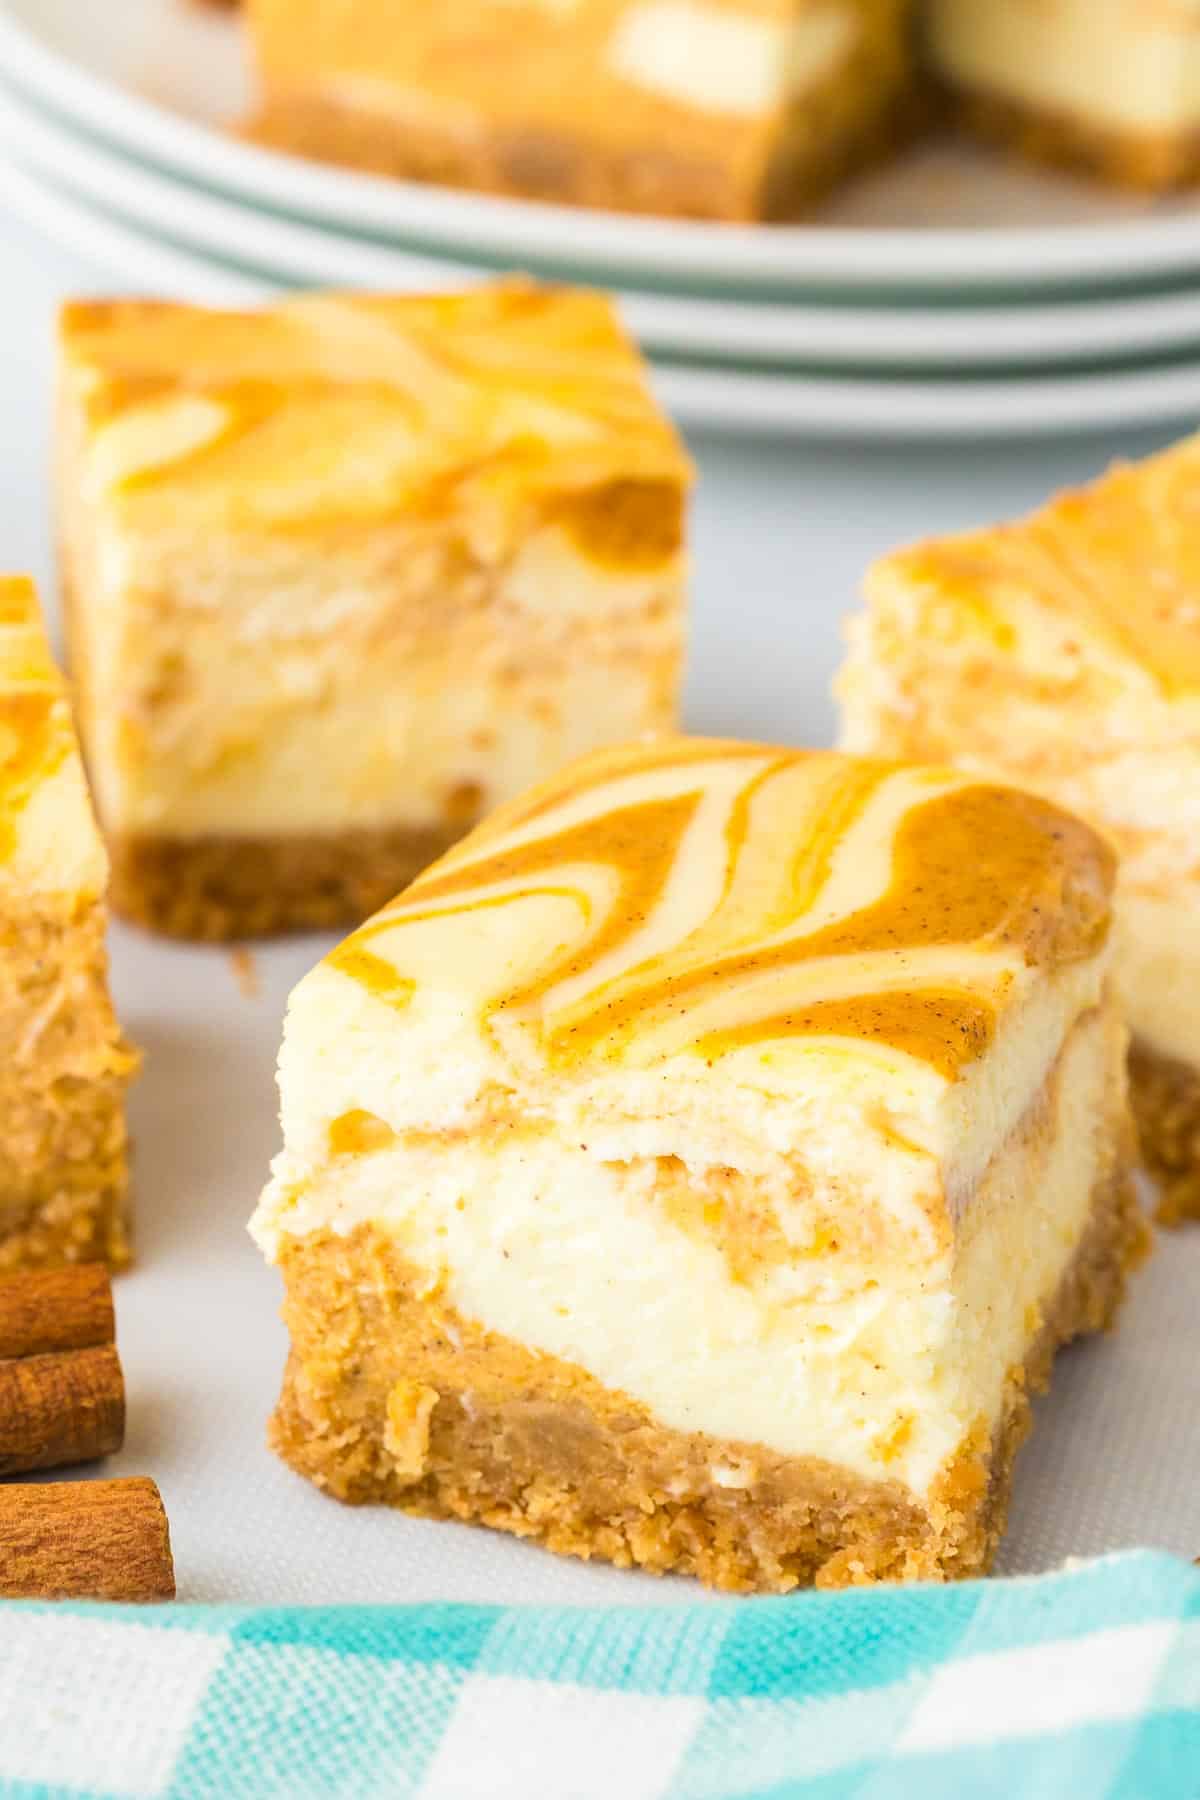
x: 63, y: 1145
x: 218, y: 889
x: 1166, y: 1105
x: 390, y: 1396
x: 560, y: 171
x: 1151, y: 161
x: 73, y: 1206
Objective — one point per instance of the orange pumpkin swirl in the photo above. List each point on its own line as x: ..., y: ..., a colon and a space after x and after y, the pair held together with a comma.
x: 515, y: 403
x: 1118, y: 561
x: 726, y: 897
x: 36, y: 736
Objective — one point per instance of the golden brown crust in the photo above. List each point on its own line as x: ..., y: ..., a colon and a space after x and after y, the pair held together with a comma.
x: 1166, y: 1106
x: 1149, y: 160
x: 528, y: 165
x: 63, y: 1148
x: 390, y: 1396
x: 218, y: 889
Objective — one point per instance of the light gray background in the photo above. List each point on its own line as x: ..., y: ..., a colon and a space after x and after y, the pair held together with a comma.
x: 782, y: 535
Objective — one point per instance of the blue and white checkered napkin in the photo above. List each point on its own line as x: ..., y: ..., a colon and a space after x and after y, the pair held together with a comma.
x: 1084, y: 1684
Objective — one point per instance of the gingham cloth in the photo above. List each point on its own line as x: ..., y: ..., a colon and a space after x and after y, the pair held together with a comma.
x: 1079, y: 1686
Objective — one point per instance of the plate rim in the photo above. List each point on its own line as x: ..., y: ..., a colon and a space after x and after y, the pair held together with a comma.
x: 946, y: 340
x: 743, y: 255
x: 731, y: 402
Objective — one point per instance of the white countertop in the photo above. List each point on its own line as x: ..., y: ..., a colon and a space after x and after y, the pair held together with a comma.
x: 782, y: 536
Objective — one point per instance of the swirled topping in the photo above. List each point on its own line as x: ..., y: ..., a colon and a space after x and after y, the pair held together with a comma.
x: 36, y: 734
x: 702, y: 897
x: 513, y: 403
x: 1119, y: 560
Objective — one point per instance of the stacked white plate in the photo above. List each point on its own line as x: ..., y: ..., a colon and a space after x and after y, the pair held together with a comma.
x: 955, y: 294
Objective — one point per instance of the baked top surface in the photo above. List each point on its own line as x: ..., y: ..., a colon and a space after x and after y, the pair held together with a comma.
x: 616, y: 68
x: 1119, y: 561
x: 48, y: 839
x: 493, y: 399
x: 697, y: 897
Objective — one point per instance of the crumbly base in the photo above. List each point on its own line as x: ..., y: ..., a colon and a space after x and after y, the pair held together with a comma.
x: 1166, y: 1106
x: 73, y: 1208
x: 1149, y: 160
x: 63, y: 1147
x: 861, y: 113
x: 218, y: 889
x: 391, y: 1396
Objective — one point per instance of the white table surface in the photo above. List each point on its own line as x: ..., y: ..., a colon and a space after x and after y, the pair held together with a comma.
x: 782, y: 535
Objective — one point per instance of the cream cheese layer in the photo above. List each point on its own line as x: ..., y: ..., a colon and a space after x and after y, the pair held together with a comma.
x: 726, y: 60
x: 1111, y: 63
x: 733, y: 953
x: 579, y: 1250
x: 306, y: 691
x: 1157, y: 972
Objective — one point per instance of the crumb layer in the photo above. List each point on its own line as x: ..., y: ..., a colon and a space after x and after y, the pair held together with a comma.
x: 63, y: 1146
x: 1148, y: 160
x: 219, y: 889
x: 390, y: 1396
x: 1166, y: 1106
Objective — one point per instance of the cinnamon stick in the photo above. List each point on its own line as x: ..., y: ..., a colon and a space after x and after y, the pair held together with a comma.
x: 62, y: 1394
x: 55, y: 1309
x: 56, y: 1410
x: 85, y: 1540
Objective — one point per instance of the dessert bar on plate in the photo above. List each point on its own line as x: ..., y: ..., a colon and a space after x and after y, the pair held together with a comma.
x: 1063, y: 652
x: 727, y: 111
x: 1109, y: 85
x: 345, y: 573
x: 699, y: 1165
x: 721, y: 109
x: 63, y: 1175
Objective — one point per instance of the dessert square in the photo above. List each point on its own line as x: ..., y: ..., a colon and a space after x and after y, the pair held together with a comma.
x: 1063, y: 652
x: 63, y: 1173
x: 1110, y: 86
x: 345, y: 573
x: 697, y: 1167
x: 712, y: 109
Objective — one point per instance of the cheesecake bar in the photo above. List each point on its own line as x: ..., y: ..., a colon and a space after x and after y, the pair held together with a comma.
x: 66, y: 1066
x: 710, y: 109
x: 345, y: 573
x: 1063, y: 653
x: 1111, y: 86
x: 697, y: 1167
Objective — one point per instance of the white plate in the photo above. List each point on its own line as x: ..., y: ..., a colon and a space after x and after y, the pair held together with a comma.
x: 139, y: 263
x: 753, y: 403
x: 157, y: 76
x: 912, y: 337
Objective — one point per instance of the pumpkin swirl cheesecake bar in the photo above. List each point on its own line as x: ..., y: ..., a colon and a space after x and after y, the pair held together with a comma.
x: 699, y: 1165
x: 1063, y: 652
x: 345, y: 573
x: 708, y: 109
x: 63, y: 1153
